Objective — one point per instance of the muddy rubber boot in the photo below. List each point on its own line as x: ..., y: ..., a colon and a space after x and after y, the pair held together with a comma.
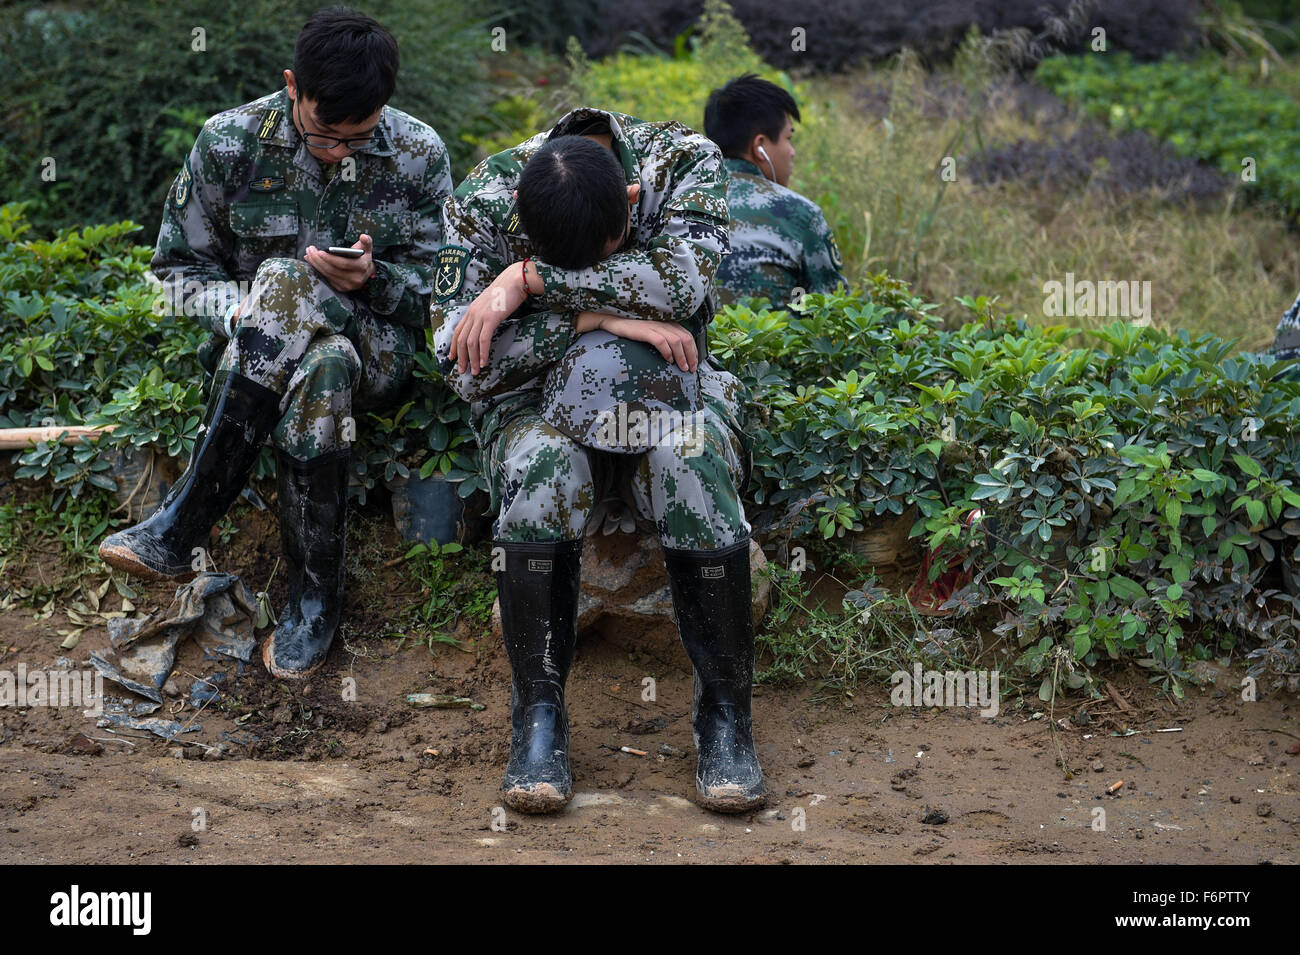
x: 538, y: 590
x: 161, y: 547
x: 313, y: 499
x: 714, y: 607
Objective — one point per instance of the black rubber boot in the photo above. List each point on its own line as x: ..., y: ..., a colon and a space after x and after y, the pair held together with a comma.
x: 313, y: 498
x: 240, y: 416
x: 712, y: 598
x: 538, y: 590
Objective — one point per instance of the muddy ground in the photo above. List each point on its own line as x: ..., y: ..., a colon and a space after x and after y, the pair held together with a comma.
x: 312, y: 777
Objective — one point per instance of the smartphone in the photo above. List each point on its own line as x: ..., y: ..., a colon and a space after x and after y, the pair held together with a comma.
x: 345, y: 252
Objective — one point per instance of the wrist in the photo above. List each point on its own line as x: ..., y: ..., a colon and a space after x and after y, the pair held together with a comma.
x: 532, y: 279
x: 228, y: 319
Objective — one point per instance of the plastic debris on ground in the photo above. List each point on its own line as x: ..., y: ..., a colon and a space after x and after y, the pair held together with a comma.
x: 167, y: 729
x: 217, y: 611
x: 441, y: 701
x: 207, y: 689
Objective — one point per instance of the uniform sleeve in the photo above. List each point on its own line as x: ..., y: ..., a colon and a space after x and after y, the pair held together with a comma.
x: 404, y: 278
x: 195, y: 243
x: 672, y: 276
x: 821, y: 257
x: 524, y: 345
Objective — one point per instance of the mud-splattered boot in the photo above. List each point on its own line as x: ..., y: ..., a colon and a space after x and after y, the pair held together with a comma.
x: 240, y: 416
x: 538, y: 590
x: 713, y: 602
x: 313, y: 524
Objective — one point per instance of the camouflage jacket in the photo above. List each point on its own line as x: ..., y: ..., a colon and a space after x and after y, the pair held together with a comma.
x: 779, y: 241
x: 665, y: 272
x: 1286, y: 344
x: 249, y: 191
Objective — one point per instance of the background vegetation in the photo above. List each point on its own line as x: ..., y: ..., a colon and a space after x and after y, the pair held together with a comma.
x: 115, y: 92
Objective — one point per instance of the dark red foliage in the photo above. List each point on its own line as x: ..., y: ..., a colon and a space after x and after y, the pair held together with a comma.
x: 842, y: 32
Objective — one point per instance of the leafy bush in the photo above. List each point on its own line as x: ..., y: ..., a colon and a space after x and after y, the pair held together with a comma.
x: 85, y: 344
x: 1138, y: 496
x: 1203, y: 109
x: 115, y: 92
x: 86, y: 341
x: 429, y: 434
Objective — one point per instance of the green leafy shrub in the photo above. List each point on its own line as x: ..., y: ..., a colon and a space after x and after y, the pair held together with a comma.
x: 115, y: 92
x: 1137, y: 496
x: 1202, y: 107
x: 155, y: 412
x: 85, y: 343
x: 429, y: 434
x: 82, y: 322
x: 70, y: 469
x: 454, y: 585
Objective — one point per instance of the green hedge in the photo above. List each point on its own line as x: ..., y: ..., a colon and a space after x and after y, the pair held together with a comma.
x: 87, y: 341
x: 1138, y: 494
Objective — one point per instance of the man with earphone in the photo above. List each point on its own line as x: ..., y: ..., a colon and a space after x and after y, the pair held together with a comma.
x: 780, y: 242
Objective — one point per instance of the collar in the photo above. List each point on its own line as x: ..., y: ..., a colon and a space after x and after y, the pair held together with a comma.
x: 286, y: 133
x: 739, y: 165
x: 576, y: 119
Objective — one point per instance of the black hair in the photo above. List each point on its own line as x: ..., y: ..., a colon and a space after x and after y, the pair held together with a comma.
x: 347, y: 63
x: 744, y: 108
x: 572, y: 201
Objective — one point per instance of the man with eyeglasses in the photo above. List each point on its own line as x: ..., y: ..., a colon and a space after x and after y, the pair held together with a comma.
x: 299, y: 333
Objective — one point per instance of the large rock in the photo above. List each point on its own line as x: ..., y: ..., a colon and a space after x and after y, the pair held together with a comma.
x: 623, y: 577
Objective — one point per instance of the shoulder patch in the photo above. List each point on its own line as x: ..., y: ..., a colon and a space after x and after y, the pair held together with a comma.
x: 449, y: 271
x: 834, y: 250
x: 512, y: 226
x: 183, y: 186
x: 270, y: 123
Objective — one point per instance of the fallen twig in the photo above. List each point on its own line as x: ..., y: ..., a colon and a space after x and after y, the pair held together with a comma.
x: 1257, y: 729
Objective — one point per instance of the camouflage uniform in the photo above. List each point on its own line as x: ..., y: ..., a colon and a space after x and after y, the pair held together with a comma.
x: 779, y: 241
x: 1286, y: 345
x: 531, y: 420
x: 246, y: 205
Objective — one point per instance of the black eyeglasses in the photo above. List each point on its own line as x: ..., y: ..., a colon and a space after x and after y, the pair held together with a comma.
x: 317, y: 141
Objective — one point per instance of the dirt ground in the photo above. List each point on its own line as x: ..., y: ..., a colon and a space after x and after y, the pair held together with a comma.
x: 313, y: 777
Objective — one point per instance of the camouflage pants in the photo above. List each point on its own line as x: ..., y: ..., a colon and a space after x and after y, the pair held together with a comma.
x: 547, y: 484
x: 316, y: 349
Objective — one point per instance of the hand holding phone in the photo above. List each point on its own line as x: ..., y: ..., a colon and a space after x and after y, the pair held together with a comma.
x: 345, y: 269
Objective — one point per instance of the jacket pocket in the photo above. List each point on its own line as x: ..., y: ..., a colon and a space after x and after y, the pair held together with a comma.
x: 261, y: 220
x: 263, y: 231
x: 386, y: 229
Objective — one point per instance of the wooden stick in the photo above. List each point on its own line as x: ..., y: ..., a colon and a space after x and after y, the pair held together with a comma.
x: 16, y: 439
